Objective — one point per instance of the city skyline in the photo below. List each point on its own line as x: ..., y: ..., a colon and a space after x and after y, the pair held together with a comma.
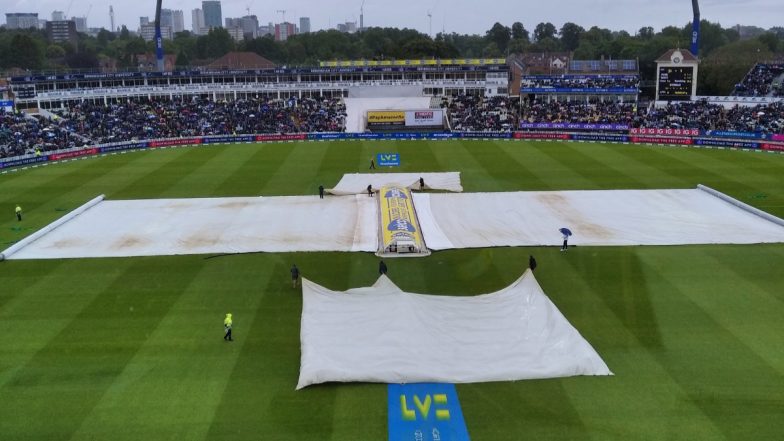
x: 460, y: 16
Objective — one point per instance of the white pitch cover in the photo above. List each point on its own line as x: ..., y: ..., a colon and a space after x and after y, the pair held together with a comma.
x: 384, y: 335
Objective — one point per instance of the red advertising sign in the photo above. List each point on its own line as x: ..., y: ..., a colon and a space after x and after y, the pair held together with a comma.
x: 665, y: 132
x: 76, y: 154
x: 660, y: 140
x: 773, y: 147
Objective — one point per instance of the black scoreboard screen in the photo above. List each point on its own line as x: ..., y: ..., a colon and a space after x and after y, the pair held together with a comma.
x: 675, y: 83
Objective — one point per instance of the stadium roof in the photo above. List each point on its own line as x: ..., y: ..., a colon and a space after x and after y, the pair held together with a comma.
x: 241, y: 60
x: 667, y: 56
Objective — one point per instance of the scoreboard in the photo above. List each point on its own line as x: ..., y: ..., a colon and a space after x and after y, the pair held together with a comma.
x: 675, y: 83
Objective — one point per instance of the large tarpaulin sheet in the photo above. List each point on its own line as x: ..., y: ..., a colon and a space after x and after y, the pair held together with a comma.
x: 611, y: 217
x: 357, y: 183
x: 213, y: 225
x: 383, y: 334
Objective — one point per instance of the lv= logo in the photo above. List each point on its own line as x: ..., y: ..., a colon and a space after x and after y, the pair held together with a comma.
x: 423, y: 406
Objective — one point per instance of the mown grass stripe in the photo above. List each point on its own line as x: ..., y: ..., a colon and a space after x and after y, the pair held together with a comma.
x: 77, y: 366
x: 186, y: 348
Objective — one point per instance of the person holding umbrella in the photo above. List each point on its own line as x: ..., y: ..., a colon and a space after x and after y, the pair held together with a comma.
x: 566, y: 233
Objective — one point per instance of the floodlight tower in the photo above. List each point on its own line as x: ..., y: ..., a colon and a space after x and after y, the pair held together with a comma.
x: 158, y: 37
x: 695, y: 28
x: 430, y: 25
x: 111, y: 17
x: 362, y: 16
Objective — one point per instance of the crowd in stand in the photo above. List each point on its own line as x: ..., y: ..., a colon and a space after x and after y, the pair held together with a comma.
x: 608, y: 112
x: 763, y: 118
x: 469, y: 113
x: 592, y: 82
x: 90, y: 124
x: 22, y: 134
x: 87, y: 123
x: 760, y: 81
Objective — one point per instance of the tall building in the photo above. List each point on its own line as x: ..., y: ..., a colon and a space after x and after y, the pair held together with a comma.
x: 81, y: 23
x: 304, y: 25
x: 173, y: 19
x: 61, y: 31
x: 58, y: 16
x: 21, y: 20
x: 268, y: 29
x: 349, y: 27
x: 143, y: 21
x: 197, y: 20
x: 147, y: 32
x: 213, y: 18
x: 178, y: 21
x: 236, y: 33
x: 167, y: 18
x: 250, y: 26
x: 284, y: 30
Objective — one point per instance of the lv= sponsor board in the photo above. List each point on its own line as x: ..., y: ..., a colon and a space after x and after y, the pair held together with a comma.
x: 425, y: 412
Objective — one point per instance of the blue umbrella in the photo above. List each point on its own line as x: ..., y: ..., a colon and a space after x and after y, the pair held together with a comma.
x: 565, y: 231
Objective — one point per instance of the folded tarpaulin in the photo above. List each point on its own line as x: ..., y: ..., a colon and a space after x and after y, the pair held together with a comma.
x: 357, y: 182
x: 382, y: 334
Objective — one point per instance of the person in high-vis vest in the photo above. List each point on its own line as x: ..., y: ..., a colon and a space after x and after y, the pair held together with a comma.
x: 227, y: 322
x: 18, y: 213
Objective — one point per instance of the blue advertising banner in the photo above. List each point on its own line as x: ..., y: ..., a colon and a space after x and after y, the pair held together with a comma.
x: 7, y: 105
x: 425, y: 412
x: 736, y: 135
x: 388, y: 159
x: 24, y: 161
x: 469, y: 135
x: 228, y: 138
x: 727, y: 143
x: 610, y: 90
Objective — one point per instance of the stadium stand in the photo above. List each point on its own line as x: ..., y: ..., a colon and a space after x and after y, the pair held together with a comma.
x: 469, y: 113
x: 763, y: 118
x: 540, y: 111
x: 763, y: 80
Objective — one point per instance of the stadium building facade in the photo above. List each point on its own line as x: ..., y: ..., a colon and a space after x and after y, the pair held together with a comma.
x: 424, y: 78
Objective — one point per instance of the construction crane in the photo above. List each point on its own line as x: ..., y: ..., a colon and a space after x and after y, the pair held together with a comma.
x: 247, y: 8
x: 282, y: 14
x: 430, y: 26
x: 69, y: 8
x: 88, y: 11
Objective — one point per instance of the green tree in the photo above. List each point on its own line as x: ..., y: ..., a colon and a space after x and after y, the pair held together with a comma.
x: 646, y: 33
x: 519, y: 32
x: 570, y: 35
x: 544, y: 30
x: 770, y: 40
x: 25, y: 51
x: 500, y: 35
x: 215, y: 44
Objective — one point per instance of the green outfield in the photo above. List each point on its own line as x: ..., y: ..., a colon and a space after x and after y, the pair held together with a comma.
x: 132, y: 348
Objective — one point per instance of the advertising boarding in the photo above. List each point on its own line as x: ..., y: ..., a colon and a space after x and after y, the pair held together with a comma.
x: 424, y: 118
x: 398, y: 220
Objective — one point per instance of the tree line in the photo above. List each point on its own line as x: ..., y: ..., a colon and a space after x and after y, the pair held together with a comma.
x: 726, y: 56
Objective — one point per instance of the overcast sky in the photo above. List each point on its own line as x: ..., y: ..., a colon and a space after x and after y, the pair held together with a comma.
x: 461, y: 16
